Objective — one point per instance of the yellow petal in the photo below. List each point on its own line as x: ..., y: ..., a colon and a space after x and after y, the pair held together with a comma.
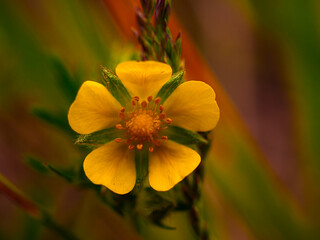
x: 170, y: 163
x: 113, y: 166
x: 93, y: 109
x: 192, y: 106
x: 143, y: 79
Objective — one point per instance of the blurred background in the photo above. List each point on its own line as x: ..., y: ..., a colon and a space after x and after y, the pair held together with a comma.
x: 262, y: 58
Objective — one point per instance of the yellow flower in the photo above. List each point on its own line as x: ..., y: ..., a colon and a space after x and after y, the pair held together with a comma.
x: 140, y: 124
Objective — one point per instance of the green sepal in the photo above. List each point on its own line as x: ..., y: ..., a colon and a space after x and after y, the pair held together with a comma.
x: 116, y: 87
x: 184, y: 136
x: 170, y: 86
x: 141, y: 158
x: 99, y: 138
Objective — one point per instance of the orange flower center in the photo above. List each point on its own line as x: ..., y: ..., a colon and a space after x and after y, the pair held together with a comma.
x: 143, y: 123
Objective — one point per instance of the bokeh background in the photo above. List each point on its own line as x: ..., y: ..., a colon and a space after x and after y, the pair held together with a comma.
x: 262, y: 58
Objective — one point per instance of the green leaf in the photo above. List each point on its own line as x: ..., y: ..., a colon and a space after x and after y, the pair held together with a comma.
x: 59, y: 121
x: 66, y: 82
x: 37, y: 164
x: 100, y: 137
x: 116, y: 87
x: 170, y: 86
x: 183, y: 136
x: 68, y: 174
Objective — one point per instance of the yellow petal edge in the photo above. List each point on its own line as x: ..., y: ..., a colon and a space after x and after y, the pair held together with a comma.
x: 193, y: 106
x: 143, y: 79
x: 113, y: 166
x: 171, y: 163
x: 94, y: 109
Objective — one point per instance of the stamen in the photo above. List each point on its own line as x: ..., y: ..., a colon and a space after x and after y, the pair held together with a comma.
x: 161, y: 108
x: 164, y: 138
x: 118, y: 140
x: 168, y: 120
x: 122, y: 109
x: 151, y: 149
x: 119, y: 126
x: 139, y: 146
x: 157, y: 100
x: 144, y: 104
x: 133, y: 102
x: 149, y: 98
x: 128, y: 141
x: 130, y: 147
x: 136, y: 98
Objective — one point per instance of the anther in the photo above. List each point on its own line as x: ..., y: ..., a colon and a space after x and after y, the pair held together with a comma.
x: 118, y: 140
x: 119, y: 126
x: 157, y: 100
x: 130, y: 147
x: 149, y: 98
x: 161, y: 108
x: 139, y: 146
x: 162, y: 115
x: 122, y: 109
x: 168, y: 120
x: 164, y: 138
x: 136, y: 98
x: 151, y: 149
x: 144, y: 104
x: 128, y: 141
x: 133, y: 102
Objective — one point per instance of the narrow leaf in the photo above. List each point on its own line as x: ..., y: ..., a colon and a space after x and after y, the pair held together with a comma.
x: 64, y: 79
x: 59, y: 121
x: 67, y: 174
x: 37, y: 164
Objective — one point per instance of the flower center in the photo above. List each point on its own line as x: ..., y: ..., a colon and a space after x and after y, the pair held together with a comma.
x: 143, y: 123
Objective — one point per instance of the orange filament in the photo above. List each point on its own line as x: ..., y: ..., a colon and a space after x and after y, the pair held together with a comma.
x: 143, y: 123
